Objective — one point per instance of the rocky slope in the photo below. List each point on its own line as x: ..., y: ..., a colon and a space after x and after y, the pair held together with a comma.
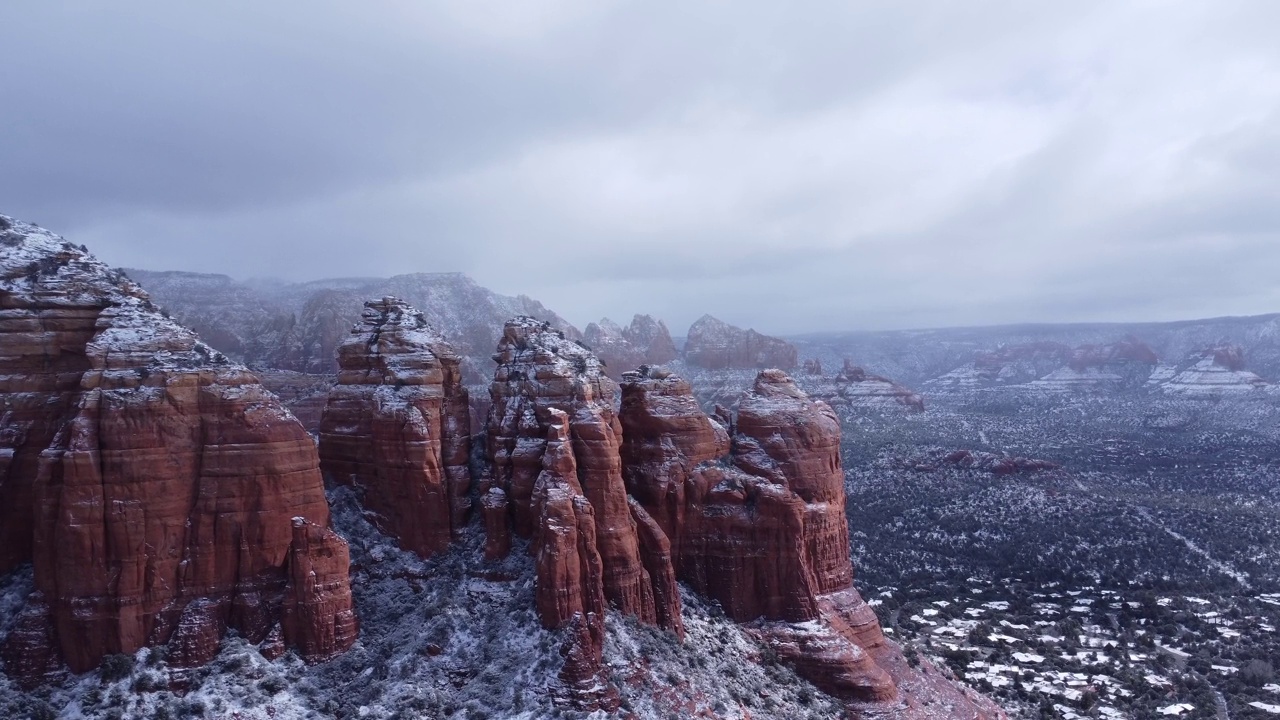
x: 162, y: 495
x: 713, y: 344
x: 397, y: 425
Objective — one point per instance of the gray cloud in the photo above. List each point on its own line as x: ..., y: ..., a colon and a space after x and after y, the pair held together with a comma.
x: 791, y: 167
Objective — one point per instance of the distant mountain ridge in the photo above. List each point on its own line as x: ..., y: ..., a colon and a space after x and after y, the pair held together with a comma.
x: 917, y: 356
x: 298, y: 326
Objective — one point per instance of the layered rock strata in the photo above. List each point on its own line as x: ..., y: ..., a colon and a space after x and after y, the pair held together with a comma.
x: 713, y: 344
x: 755, y: 517
x: 1213, y: 372
x: 397, y: 425
x: 151, y: 482
x: 854, y: 387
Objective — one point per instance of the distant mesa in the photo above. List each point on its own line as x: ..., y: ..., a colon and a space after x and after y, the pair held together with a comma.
x: 713, y: 344
x: 1055, y: 367
x: 1212, y: 372
x: 854, y: 387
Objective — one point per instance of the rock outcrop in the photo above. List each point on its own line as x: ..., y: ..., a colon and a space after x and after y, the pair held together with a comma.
x: 319, y: 618
x: 397, y: 425
x: 150, y: 481
x: 645, y: 341
x: 755, y: 517
x: 854, y: 387
x: 996, y: 464
x: 554, y: 445
x: 713, y: 344
x: 570, y: 569
x: 1213, y: 372
x: 652, y: 338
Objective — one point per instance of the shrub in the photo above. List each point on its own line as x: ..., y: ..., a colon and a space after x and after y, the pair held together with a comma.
x: 1257, y: 673
x: 116, y: 667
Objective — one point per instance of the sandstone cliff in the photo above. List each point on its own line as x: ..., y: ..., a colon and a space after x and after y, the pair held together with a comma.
x: 755, y: 516
x: 152, y: 483
x: 713, y: 344
x: 397, y: 425
x: 554, y: 446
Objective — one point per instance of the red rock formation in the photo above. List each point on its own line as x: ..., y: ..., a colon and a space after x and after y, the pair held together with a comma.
x: 652, y: 339
x: 569, y: 566
x: 1230, y: 357
x: 140, y: 471
x: 655, y: 552
x: 539, y: 371
x: 789, y: 440
x: 196, y: 639
x: 763, y: 532
x: 813, y: 366
x: 744, y: 545
x: 715, y: 345
x: 1213, y: 372
x: 645, y: 341
x: 493, y: 505
x: 319, y: 618
x: 995, y: 360
x: 397, y: 425
x: 30, y: 651
x: 666, y: 439
x: 570, y: 569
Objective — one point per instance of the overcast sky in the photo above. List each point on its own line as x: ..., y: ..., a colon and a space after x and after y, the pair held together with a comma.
x: 789, y: 166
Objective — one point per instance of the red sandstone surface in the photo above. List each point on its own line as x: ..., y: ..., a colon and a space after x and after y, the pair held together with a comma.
x: 397, y: 424
x: 151, y: 482
x: 755, y: 514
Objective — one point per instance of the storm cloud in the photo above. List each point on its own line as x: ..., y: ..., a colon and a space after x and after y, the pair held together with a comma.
x: 790, y: 166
